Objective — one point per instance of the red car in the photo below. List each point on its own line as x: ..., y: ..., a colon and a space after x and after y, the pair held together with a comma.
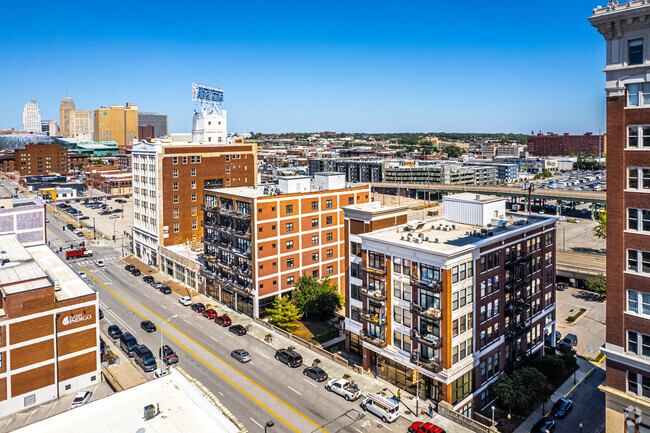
x: 210, y: 314
x: 223, y: 321
x: 426, y: 427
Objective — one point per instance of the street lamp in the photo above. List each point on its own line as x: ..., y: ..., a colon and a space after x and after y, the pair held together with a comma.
x: 161, y: 334
x: 268, y: 424
x: 493, y: 409
x: 580, y: 427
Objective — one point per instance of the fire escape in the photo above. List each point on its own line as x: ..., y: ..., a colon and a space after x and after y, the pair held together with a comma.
x: 425, y: 305
x: 518, y: 308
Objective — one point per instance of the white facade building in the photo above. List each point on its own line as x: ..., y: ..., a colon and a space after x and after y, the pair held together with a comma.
x: 209, y: 128
x: 146, y: 187
x: 32, y: 117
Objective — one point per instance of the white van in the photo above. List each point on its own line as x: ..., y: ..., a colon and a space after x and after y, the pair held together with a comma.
x: 385, y: 408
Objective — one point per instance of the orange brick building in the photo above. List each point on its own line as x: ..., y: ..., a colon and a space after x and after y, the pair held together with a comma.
x: 259, y: 240
x: 39, y: 159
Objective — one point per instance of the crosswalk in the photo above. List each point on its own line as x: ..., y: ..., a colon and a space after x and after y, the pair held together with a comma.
x: 91, y: 260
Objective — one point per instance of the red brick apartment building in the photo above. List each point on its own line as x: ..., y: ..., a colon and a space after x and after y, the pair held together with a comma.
x: 627, y: 390
x: 168, y: 184
x: 39, y: 159
x: 566, y: 144
x: 259, y: 240
x: 49, y: 331
x: 459, y: 298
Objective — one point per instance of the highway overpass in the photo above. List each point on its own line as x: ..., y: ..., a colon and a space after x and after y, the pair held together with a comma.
x: 580, y: 266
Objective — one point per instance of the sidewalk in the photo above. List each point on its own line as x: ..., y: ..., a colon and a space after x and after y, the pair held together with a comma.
x: 584, y: 368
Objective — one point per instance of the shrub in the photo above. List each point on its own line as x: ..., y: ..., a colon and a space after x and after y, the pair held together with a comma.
x: 571, y: 319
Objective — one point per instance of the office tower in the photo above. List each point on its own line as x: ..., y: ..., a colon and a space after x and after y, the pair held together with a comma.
x: 82, y: 123
x: 158, y: 121
x: 259, y: 240
x: 31, y: 117
x: 66, y: 121
x: 459, y: 298
x: 627, y: 97
x: 116, y: 123
x: 49, y: 127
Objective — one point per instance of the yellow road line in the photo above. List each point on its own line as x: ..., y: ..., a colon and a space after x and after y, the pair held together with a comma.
x: 113, y: 293
x: 227, y: 379
x: 581, y: 263
x: 55, y: 234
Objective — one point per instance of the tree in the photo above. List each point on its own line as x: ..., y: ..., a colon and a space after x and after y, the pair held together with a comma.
x: 317, y: 298
x: 598, y: 285
x: 600, y: 231
x: 453, y: 151
x: 538, y: 176
x: 547, y: 173
x: 516, y: 392
x: 283, y: 312
x: 552, y: 367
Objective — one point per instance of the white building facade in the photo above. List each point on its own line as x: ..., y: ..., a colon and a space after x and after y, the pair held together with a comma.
x: 32, y: 117
x: 146, y: 187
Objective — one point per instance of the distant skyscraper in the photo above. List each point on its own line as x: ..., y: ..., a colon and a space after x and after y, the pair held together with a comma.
x: 31, y: 117
x: 66, y: 116
x: 49, y: 127
x: 116, y: 123
x: 82, y: 123
x: 158, y: 121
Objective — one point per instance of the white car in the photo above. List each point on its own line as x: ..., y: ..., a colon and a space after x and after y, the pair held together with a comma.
x: 185, y: 300
x: 81, y: 398
x: 344, y: 388
x: 100, y: 263
x: 113, y: 217
x: 82, y: 275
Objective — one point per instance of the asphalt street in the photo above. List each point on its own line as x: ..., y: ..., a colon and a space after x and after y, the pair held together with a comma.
x: 255, y: 392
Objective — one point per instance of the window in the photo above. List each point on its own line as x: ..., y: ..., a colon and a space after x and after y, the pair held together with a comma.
x: 314, y: 240
x: 638, y: 178
x: 227, y: 158
x: 193, y: 196
x: 185, y: 160
x: 638, y: 137
x: 193, y: 171
x: 177, y: 227
x: 194, y: 225
x: 314, y: 222
x: 192, y: 159
x: 314, y: 273
x: 328, y: 220
x: 639, y: 344
x: 350, y: 200
x: 638, y: 299
x: 397, y: 314
x: 638, y: 94
x: 289, y: 227
x: 635, y: 52
x: 289, y: 208
x: 175, y: 160
x: 330, y: 270
x: 175, y: 199
x: 638, y: 384
x: 636, y: 215
x: 289, y: 281
x: 198, y: 159
x: 638, y: 261
x: 289, y: 263
x: 174, y: 173
x: 289, y: 245
x: 397, y: 265
x: 175, y: 186
x: 454, y: 274
x: 175, y: 212
x: 227, y: 169
x: 407, y: 318
x: 328, y: 204
x: 314, y: 257
x: 329, y: 253
x: 193, y: 184
x: 314, y: 205
x: 633, y: 219
x: 329, y: 236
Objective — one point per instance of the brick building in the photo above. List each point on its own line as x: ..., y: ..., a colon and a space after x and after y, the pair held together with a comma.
x: 460, y: 298
x: 7, y: 164
x: 145, y: 132
x: 49, y: 330
x: 627, y: 91
x: 566, y: 144
x: 259, y: 240
x: 168, y: 184
x: 77, y: 159
x: 37, y: 159
x: 110, y: 182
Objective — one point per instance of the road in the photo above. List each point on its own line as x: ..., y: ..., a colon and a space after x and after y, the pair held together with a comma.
x: 588, y: 402
x: 255, y: 392
x: 587, y: 264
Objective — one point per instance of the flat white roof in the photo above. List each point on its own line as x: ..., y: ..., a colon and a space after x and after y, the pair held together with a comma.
x: 183, y: 408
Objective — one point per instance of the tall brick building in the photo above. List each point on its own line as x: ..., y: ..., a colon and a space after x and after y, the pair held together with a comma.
x: 566, y: 144
x: 626, y: 28
x: 168, y: 184
x: 38, y: 159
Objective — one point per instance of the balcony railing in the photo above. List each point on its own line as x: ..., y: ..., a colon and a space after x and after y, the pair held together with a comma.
x: 426, y: 283
x: 430, y: 313
x: 517, y: 331
x: 374, y: 317
x: 375, y: 340
x: 519, y: 260
x: 374, y: 269
x: 426, y: 339
x: 373, y: 293
x: 428, y: 363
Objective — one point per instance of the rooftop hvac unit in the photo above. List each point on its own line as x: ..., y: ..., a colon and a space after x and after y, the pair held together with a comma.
x: 436, y: 241
x: 453, y: 226
x: 418, y: 240
x: 149, y: 412
x: 483, y: 235
x: 490, y: 233
x: 402, y: 237
x: 427, y: 238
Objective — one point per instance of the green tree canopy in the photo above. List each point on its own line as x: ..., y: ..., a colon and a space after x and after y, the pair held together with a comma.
x: 452, y: 151
x: 600, y: 231
x: 598, y: 285
x: 547, y: 173
x: 283, y: 312
x: 317, y: 298
x: 523, y: 389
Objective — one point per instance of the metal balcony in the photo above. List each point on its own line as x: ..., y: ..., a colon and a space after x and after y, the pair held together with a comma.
x: 374, y: 317
x: 429, y: 313
x: 519, y: 260
x: 426, y: 339
x: 373, y: 293
x: 428, y: 363
x: 517, y: 331
x: 375, y: 340
x: 374, y: 270
x: 427, y: 284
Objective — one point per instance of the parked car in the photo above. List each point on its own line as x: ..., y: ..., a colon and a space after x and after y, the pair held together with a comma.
x: 425, y: 427
x: 316, y: 373
x: 101, y: 314
x: 81, y: 398
x: 165, y: 290
x: 128, y: 343
x: 147, y: 278
x: 198, y: 307
x: 344, y: 388
x: 569, y: 342
x: 155, y: 284
x: 210, y: 314
x: 168, y: 355
x: 544, y: 425
x: 144, y: 358
x: 289, y: 357
x: 120, y: 200
x: 562, y: 286
x: 84, y: 218
x: 148, y: 326
x: 185, y: 301
x: 223, y: 320
x: 136, y: 272
x: 113, y: 217
x: 558, y: 338
x: 386, y: 408
x: 114, y: 332
x: 241, y: 355
x: 237, y: 329
x: 129, y: 267
x: 562, y: 407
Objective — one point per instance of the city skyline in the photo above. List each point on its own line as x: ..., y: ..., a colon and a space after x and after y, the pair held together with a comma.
x: 347, y: 68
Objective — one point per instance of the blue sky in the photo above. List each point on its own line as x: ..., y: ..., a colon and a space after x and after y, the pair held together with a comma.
x: 373, y: 66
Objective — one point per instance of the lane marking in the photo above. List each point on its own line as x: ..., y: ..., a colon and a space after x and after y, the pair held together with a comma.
x: 581, y: 263
x: 56, y: 235
x: 114, y: 294
x: 259, y: 425
x: 358, y: 430
x: 267, y: 357
x: 214, y: 339
x: 310, y: 382
x: 293, y: 390
x: 221, y: 393
x: 230, y: 381
x: 386, y: 427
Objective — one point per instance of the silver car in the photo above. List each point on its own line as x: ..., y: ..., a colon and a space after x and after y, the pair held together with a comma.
x: 241, y: 355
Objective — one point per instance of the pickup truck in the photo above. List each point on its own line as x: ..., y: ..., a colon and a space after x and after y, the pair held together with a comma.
x: 344, y: 388
x: 76, y: 254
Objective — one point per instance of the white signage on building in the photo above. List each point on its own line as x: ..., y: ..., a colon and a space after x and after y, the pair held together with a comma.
x: 68, y: 320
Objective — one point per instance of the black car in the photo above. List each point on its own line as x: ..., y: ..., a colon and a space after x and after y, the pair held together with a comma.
x: 129, y: 267
x: 148, y: 326
x: 289, y: 357
x: 198, y: 307
x: 167, y: 355
x: 562, y: 407
x: 544, y: 425
x: 135, y: 272
x: 166, y: 290
x: 84, y: 218
x: 114, y: 331
x: 316, y: 373
x: 147, y: 279
x: 237, y: 329
x: 101, y: 314
x: 69, y: 226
